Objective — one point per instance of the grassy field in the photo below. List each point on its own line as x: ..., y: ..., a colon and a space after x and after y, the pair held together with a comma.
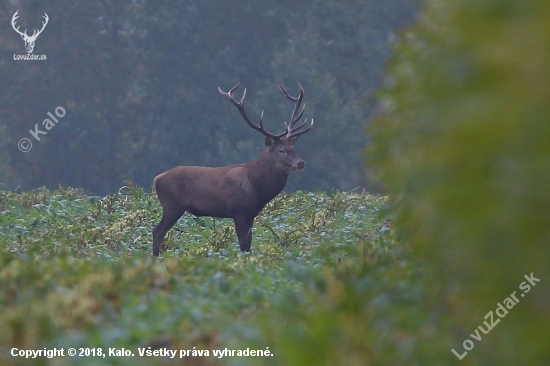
x: 77, y: 271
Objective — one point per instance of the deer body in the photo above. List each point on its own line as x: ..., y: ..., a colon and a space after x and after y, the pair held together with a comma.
x: 238, y: 191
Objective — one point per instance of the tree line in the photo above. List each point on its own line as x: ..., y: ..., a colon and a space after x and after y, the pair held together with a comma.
x: 138, y: 81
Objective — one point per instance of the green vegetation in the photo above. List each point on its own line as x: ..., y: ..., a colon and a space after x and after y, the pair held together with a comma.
x: 77, y: 271
x: 464, y: 147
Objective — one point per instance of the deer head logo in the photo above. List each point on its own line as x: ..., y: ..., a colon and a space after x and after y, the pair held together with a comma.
x: 29, y: 40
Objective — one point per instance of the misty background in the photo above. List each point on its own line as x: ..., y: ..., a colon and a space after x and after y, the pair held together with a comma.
x: 139, y: 79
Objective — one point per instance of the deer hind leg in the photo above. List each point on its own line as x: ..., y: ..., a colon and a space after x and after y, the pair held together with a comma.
x: 243, y: 227
x: 169, y: 217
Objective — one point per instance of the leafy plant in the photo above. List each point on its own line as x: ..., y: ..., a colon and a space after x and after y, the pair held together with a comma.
x: 77, y: 271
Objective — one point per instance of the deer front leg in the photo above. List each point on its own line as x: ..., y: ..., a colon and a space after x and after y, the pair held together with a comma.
x: 243, y: 227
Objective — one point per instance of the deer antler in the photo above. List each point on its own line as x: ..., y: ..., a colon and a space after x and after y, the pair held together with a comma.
x: 240, y: 107
x: 292, y: 132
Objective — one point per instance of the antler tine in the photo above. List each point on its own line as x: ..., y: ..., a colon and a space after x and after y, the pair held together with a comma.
x: 230, y: 92
x: 240, y: 107
x: 299, y: 115
x: 290, y: 96
x: 292, y: 132
x: 294, y: 135
x: 297, y: 102
x: 300, y: 127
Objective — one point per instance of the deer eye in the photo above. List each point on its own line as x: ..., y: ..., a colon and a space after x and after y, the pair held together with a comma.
x: 282, y: 151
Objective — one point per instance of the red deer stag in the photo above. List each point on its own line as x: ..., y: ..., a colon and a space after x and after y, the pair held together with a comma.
x: 236, y: 191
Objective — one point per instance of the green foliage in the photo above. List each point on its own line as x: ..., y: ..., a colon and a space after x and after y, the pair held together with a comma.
x: 463, y: 146
x: 77, y: 271
x: 364, y: 309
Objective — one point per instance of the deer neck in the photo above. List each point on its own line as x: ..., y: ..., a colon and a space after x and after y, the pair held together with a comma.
x: 268, y: 180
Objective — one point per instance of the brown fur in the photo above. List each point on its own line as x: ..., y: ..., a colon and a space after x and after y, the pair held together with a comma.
x: 237, y: 191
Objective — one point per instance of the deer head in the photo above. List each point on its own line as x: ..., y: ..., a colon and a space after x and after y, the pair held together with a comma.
x: 29, y: 40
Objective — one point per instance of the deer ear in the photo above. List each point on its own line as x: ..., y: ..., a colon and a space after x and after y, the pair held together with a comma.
x: 269, y: 141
